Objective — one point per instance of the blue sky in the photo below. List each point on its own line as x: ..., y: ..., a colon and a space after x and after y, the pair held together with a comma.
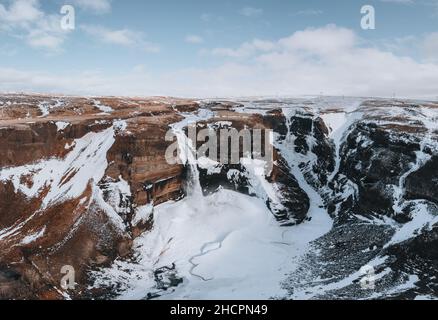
x: 220, y: 48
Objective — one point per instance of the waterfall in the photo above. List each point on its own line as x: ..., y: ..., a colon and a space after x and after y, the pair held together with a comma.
x: 187, y: 147
x: 188, y: 157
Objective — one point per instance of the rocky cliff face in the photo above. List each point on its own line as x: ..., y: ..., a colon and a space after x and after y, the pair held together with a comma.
x: 84, y: 182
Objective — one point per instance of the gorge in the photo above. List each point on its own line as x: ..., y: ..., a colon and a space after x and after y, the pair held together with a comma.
x: 84, y: 182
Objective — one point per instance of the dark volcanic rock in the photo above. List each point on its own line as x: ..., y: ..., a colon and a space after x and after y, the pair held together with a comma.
x: 423, y: 184
x: 375, y: 159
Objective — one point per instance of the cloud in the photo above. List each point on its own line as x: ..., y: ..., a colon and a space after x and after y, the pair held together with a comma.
x: 95, y: 6
x: 20, y: 13
x: 24, y: 19
x: 194, y: 39
x: 251, y: 12
x: 316, y: 41
x: 328, y: 40
x: 121, y: 37
x: 329, y: 59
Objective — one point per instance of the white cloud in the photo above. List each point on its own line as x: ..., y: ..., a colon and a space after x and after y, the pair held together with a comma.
x: 24, y: 19
x: 251, y: 12
x: 20, y: 13
x: 121, y: 37
x: 193, y: 39
x: 96, y: 6
x: 328, y: 40
x: 330, y: 59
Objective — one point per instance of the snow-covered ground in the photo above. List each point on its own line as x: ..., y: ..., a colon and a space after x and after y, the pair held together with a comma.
x: 226, y: 245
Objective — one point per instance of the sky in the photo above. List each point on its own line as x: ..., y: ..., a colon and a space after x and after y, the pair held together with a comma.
x: 227, y: 48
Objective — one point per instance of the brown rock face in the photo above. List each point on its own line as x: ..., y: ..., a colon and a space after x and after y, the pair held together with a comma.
x: 36, y: 240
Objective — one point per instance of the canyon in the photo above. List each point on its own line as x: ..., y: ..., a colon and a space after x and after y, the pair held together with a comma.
x: 84, y: 182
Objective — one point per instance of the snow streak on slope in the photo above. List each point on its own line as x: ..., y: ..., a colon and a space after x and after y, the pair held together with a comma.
x: 339, y: 123
x: 103, y: 108
x: 60, y: 180
x: 320, y: 222
x: 46, y: 106
x: 422, y: 216
x: 64, y: 178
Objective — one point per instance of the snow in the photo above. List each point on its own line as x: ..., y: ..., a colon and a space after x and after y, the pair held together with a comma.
x: 224, y: 123
x: 224, y: 245
x: 187, y: 152
x: 422, y: 220
x: 117, y: 199
x: 33, y: 237
x: 335, y: 121
x: 212, y: 167
x: 103, y: 108
x: 422, y: 217
x: 110, y: 211
x: 320, y: 288
x: 65, y: 178
x: 321, y: 221
x: 121, y: 127
x: 340, y: 124
x: 425, y: 298
x: 255, y: 171
x: 143, y: 214
x: 46, y: 106
x: 61, y: 125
